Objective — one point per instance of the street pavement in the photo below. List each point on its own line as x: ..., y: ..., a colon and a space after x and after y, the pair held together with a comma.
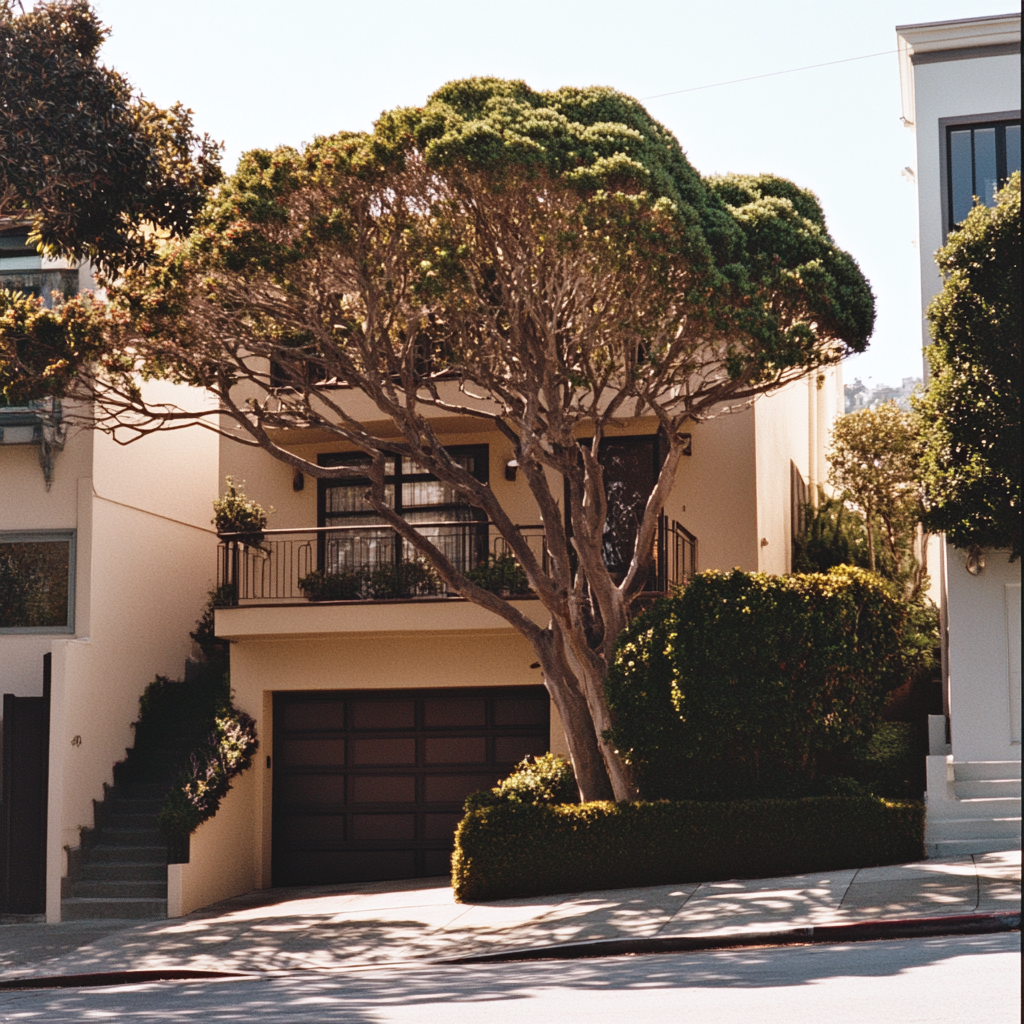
x: 417, y: 921
x: 947, y: 980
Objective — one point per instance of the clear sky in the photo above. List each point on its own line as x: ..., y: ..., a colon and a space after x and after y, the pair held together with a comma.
x: 262, y: 74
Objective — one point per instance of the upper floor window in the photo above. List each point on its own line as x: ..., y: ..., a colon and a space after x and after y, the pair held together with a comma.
x: 37, y: 574
x: 980, y: 159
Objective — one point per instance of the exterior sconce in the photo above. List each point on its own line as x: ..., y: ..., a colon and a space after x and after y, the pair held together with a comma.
x: 764, y: 542
x: 511, y: 468
x: 298, y: 481
x: 687, y: 443
x: 975, y: 561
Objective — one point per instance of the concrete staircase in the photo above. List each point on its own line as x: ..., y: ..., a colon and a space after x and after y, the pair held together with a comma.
x: 121, y: 870
x: 972, y: 806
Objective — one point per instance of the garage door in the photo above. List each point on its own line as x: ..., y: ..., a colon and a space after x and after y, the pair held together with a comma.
x: 369, y: 784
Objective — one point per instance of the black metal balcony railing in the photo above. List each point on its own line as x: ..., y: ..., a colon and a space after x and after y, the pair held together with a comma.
x: 365, y: 563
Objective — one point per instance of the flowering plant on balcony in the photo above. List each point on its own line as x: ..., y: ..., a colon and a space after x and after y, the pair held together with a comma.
x: 238, y: 514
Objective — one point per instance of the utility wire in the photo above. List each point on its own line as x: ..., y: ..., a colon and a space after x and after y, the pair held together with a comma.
x: 771, y: 74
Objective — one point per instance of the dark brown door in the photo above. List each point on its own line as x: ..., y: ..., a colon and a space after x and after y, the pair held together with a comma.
x: 26, y: 739
x: 369, y: 784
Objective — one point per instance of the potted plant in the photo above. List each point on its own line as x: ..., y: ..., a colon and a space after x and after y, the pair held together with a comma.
x: 238, y: 517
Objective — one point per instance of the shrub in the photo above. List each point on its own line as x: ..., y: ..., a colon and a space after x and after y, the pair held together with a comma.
x: 891, y: 764
x: 521, y: 849
x: 333, y: 586
x: 749, y: 685
x: 833, y: 534
x: 227, y: 751
x: 411, y: 577
x: 237, y: 514
x: 548, y: 779
x: 500, y: 574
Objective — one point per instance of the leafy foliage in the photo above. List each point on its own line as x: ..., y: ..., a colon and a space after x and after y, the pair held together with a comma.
x: 225, y: 752
x: 500, y: 574
x: 411, y: 577
x: 520, y: 849
x: 832, y: 534
x: 874, y: 459
x: 92, y: 166
x: 751, y: 685
x: 235, y: 513
x: 547, y: 779
x: 971, y: 411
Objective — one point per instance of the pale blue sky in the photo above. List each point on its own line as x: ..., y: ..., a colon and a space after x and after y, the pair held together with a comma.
x: 261, y: 74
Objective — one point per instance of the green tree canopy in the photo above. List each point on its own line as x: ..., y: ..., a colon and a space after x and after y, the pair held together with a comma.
x: 971, y: 410
x: 548, y: 265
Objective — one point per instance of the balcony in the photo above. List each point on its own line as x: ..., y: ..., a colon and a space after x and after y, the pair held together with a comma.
x: 372, y: 564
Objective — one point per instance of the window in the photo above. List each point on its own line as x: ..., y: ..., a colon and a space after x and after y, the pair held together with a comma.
x: 37, y: 582
x: 979, y: 158
x: 418, y: 496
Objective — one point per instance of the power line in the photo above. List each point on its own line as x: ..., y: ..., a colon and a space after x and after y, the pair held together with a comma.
x: 771, y: 74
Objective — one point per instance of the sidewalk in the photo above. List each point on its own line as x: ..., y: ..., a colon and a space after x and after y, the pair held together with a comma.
x: 388, y: 923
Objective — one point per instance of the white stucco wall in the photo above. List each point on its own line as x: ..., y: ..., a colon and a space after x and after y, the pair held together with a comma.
x: 984, y: 657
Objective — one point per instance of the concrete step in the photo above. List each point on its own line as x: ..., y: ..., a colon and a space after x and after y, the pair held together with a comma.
x: 132, y: 836
x: 125, y: 871
x: 136, y: 805
x: 970, y: 771
x: 141, y: 790
x: 972, y: 828
x: 965, y: 847
x: 120, y: 888
x: 121, y: 819
x: 104, y: 854
x: 987, y: 788
x: 976, y: 807
x: 76, y: 908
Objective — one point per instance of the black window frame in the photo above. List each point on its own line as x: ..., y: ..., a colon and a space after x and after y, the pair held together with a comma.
x: 1000, y: 120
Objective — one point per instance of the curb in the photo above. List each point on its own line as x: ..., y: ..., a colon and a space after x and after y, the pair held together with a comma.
x: 861, y: 931
x: 118, y: 978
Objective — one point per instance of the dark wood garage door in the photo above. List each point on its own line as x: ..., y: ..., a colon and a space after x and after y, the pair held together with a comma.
x: 369, y: 784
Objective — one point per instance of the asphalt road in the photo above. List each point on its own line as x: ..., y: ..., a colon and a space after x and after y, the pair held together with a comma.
x: 957, y: 980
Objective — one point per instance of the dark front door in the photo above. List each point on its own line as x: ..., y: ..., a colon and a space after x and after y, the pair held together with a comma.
x: 26, y: 738
x: 369, y: 784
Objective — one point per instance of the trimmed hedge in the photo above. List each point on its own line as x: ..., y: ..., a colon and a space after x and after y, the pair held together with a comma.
x: 514, y: 850
x: 747, y: 685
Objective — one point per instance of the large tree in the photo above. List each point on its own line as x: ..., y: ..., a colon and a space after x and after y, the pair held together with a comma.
x: 971, y: 410
x: 90, y: 169
x: 548, y: 265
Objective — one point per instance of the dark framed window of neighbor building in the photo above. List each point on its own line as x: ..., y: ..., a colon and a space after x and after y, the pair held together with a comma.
x: 979, y: 160
x: 37, y: 582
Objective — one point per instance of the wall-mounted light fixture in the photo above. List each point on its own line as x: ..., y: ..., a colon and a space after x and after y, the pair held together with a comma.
x: 511, y: 468
x: 975, y: 561
x: 298, y: 481
x: 687, y: 443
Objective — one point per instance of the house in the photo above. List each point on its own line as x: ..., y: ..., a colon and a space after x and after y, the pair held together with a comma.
x: 105, y: 562
x: 960, y: 84
x: 376, y: 714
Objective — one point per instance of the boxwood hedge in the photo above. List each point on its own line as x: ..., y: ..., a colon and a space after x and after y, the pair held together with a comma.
x: 514, y: 850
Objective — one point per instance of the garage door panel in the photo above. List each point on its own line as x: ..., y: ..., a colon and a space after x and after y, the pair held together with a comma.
x: 311, y: 715
x: 309, y: 789
x: 383, y: 751
x: 306, y: 751
x: 383, y: 826
x: 383, y: 714
x: 450, y: 789
x: 405, y: 759
x: 311, y: 829
x: 512, y: 749
x: 440, y: 826
x: 455, y: 750
x: 519, y: 711
x: 442, y: 713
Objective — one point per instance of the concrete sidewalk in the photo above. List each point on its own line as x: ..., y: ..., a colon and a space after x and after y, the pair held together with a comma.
x: 417, y: 921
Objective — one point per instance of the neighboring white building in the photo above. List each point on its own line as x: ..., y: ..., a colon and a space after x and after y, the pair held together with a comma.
x: 961, y: 95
